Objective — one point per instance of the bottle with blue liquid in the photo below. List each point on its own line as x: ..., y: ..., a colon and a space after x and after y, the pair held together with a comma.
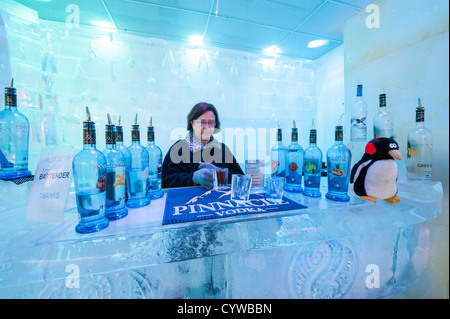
x: 294, y: 163
x: 136, y: 157
x: 89, y: 174
x: 313, y: 166
x: 338, y: 165
x: 155, y: 165
x: 115, y: 176
x: 14, y: 138
x: 278, y: 156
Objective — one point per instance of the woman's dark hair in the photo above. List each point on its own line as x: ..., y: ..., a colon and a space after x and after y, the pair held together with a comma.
x: 198, y: 110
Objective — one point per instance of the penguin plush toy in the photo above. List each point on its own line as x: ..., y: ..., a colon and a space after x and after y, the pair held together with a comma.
x: 375, y: 175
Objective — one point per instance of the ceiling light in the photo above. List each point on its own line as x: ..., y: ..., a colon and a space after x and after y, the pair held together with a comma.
x: 196, y: 39
x: 317, y: 43
x: 273, y: 50
x: 103, y: 24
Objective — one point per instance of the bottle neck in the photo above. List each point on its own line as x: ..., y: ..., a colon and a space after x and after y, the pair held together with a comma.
x: 135, y: 136
x: 110, y: 146
x: 150, y: 135
x: 313, y: 138
x: 279, y: 136
x: 294, y: 135
x: 339, y: 135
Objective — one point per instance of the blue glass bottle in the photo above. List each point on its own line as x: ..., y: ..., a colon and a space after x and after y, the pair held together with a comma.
x: 14, y: 137
x: 154, y: 166
x: 294, y: 164
x: 89, y: 174
x: 313, y: 166
x: 115, y: 176
x: 278, y: 156
x: 338, y: 166
x: 136, y: 157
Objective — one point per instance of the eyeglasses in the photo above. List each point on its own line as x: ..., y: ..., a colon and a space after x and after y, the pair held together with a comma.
x: 203, y: 123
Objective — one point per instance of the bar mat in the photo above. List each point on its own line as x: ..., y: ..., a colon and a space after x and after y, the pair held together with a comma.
x: 197, y: 203
x: 20, y: 180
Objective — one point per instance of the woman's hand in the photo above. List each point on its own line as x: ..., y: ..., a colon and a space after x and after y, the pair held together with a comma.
x: 204, y: 177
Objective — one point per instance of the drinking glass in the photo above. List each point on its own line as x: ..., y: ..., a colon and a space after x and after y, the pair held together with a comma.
x: 221, y: 178
x: 240, y: 187
x: 274, y: 188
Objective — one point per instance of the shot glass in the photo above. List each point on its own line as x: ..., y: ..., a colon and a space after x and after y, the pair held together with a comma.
x: 221, y: 178
x: 274, y: 189
x: 240, y: 187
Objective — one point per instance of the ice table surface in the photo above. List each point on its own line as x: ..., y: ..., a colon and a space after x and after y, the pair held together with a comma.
x: 33, y: 251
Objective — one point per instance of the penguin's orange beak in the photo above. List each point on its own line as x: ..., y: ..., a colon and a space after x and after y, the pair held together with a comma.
x: 395, y: 154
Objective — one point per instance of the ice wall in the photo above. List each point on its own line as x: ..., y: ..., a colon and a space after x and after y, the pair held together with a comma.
x: 123, y: 74
x: 407, y: 54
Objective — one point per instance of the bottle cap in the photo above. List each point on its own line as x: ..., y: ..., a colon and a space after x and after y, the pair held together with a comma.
x: 88, y: 129
x: 110, y: 137
x: 359, y: 89
x: 294, y: 132
x: 150, y: 132
x: 10, y: 94
x: 382, y: 100
x: 135, y: 137
x: 339, y: 133
x: 420, y: 112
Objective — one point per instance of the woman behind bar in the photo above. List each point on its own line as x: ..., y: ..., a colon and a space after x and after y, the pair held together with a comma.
x: 191, y: 161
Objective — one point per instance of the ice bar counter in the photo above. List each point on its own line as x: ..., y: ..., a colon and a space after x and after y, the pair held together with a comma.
x: 354, y: 249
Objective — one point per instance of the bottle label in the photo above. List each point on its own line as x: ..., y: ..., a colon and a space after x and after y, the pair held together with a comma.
x: 135, y: 136
x: 115, y: 181
x: 418, y: 160
x: 358, y: 129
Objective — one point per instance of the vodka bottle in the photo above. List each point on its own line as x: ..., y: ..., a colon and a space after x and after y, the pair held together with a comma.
x: 14, y: 137
x: 278, y: 156
x: 294, y: 162
x: 313, y: 166
x: 338, y: 165
x: 383, y: 123
x: 115, y: 176
x: 420, y: 149
x: 89, y: 173
x: 155, y: 165
x: 358, y: 128
x: 136, y: 157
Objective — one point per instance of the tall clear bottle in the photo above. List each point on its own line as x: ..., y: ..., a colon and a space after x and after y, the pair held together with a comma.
x: 383, y: 122
x: 338, y: 166
x: 14, y: 138
x: 420, y: 149
x: 89, y: 175
x: 294, y: 162
x: 358, y: 128
x: 155, y: 165
x: 313, y: 166
x: 136, y: 157
x: 278, y: 155
x: 115, y: 176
